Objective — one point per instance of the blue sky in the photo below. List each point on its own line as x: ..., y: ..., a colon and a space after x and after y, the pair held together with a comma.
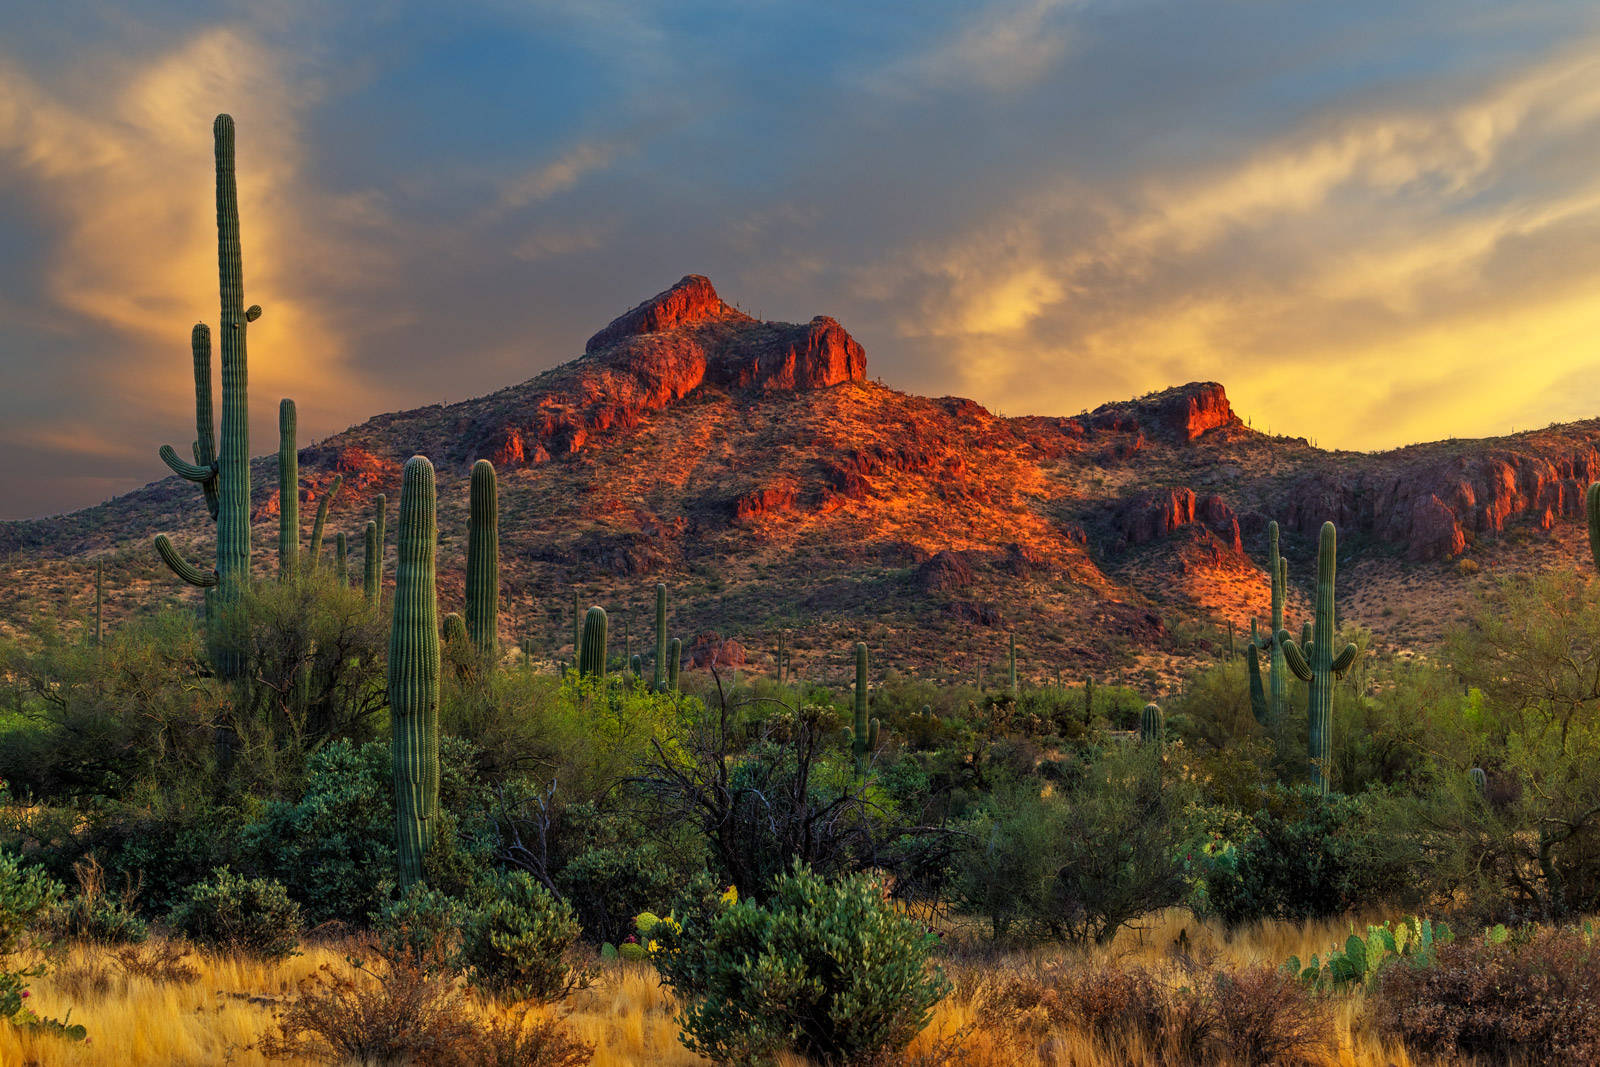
x: 1375, y: 223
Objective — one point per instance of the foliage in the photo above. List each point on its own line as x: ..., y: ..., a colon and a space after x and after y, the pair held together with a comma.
x: 516, y: 939
x: 1360, y: 959
x: 828, y: 969
x: 248, y: 915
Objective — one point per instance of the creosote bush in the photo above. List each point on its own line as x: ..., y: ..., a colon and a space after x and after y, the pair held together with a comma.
x: 828, y: 969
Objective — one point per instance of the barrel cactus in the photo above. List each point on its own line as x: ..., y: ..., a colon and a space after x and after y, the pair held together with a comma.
x: 592, y: 646
x: 1150, y: 724
x: 1315, y: 663
x: 414, y: 672
x: 223, y: 476
x: 483, y: 564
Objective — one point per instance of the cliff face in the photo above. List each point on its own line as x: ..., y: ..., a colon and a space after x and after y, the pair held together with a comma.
x: 754, y: 468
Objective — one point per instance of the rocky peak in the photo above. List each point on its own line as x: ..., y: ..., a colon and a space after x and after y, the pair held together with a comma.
x: 1184, y: 412
x: 692, y: 301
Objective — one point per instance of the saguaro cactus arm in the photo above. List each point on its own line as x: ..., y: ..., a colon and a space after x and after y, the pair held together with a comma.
x: 322, y: 518
x: 184, y: 469
x: 182, y: 567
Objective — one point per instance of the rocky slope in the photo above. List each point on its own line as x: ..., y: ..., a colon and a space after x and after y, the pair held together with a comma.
x: 754, y: 468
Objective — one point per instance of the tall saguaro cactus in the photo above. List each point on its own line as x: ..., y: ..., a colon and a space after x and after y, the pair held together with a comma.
x: 414, y: 672
x: 371, y: 566
x: 674, y: 660
x: 658, y: 680
x: 322, y: 519
x: 1277, y: 681
x: 1150, y: 724
x: 592, y: 645
x: 288, y: 493
x: 863, y: 738
x: 1317, y: 665
x: 483, y: 564
x: 1258, y: 695
x: 1011, y: 664
x: 223, y: 475
x: 341, y: 558
x: 380, y: 519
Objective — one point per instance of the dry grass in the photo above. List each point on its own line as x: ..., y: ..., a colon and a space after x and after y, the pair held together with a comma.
x: 136, y: 1020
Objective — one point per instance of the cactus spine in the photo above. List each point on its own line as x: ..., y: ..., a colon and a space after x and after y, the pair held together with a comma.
x: 483, y: 564
x: 863, y: 738
x: 414, y: 672
x: 341, y: 558
x: 1317, y: 665
x: 658, y: 680
x: 223, y: 477
x: 288, y: 493
x: 1258, y: 695
x: 674, y: 658
x: 592, y: 645
x: 1150, y: 724
x: 322, y: 519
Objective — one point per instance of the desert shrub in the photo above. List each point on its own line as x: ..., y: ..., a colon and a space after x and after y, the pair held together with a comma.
x: 1078, y: 863
x: 520, y: 1040
x: 516, y: 938
x: 1200, y: 1013
x: 828, y: 969
x: 1309, y: 856
x: 619, y: 867
x: 94, y: 914
x: 333, y: 845
x: 26, y: 896
x: 230, y: 911
x: 1536, y: 999
x: 424, y: 925
x: 388, y: 1008
x: 160, y: 961
x: 163, y: 842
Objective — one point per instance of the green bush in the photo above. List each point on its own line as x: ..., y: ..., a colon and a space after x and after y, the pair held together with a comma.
x: 423, y: 926
x: 829, y: 970
x: 253, y: 915
x: 26, y: 895
x: 515, y: 940
x: 619, y: 868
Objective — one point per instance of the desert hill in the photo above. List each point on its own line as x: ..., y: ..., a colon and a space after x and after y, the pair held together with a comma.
x: 757, y: 470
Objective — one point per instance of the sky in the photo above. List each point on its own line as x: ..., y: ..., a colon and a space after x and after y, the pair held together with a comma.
x: 1375, y: 223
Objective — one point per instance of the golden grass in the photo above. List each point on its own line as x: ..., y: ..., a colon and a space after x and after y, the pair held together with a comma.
x: 137, y: 1022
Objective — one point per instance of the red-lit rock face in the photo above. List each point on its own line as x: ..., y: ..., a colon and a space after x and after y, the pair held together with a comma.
x: 661, y: 351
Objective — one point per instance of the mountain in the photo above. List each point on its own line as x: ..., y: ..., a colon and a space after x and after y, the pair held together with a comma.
x: 756, y: 469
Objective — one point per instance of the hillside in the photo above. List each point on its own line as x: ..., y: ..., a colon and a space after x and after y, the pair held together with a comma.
x: 757, y: 470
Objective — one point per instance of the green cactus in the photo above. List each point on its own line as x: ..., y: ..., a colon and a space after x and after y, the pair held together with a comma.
x: 658, y: 681
x: 414, y: 672
x: 1278, y: 680
x: 288, y: 493
x: 1258, y: 695
x: 592, y: 646
x: 321, y: 522
x: 380, y: 518
x: 341, y: 558
x: 1231, y: 646
x: 1011, y: 665
x: 577, y: 628
x: 224, y: 478
x: 863, y: 738
x: 1150, y: 724
x: 636, y: 665
x: 1593, y: 508
x: 674, y: 660
x: 453, y: 632
x: 483, y: 564
x: 370, y: 564
x: 99, y: 600
x: 1480, y: 781
x: 1314, y: 662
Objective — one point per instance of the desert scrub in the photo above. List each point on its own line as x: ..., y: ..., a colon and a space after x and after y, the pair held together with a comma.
x: 516, y: 939
x: 239, y: 914
x: 827, y: 969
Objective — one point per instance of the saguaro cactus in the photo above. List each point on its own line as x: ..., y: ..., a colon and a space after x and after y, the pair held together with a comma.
x: 1317, y: 665
x: 1258, y: 695
x: 674, y: 659
x: 453, y: 631
x: 371, y: 566
x: 414, y: 672
x: 1011, y: 664
x: 341, y: 558
x: 863, y: 738
x: 1278, y: 681
x: 1593, y: 502
x: 1150, y: 724
x: 380, y: 517
x: 592, y: 646
x: 658, y: 680
x: 322, y: 519
x: 483, y: 564
x: 224, y: 477
x: 288, y: 493
x: 577, y: 628
x: 636, y: 665
x: 1480, y: 781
